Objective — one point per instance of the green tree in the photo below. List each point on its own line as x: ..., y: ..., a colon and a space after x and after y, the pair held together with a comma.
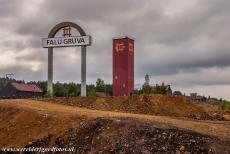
x: 73, y: 90
x: 109, y: 89
x: 48, y: 94
x: 100, y: 85
x: 160, y: 89
x: 91, y: 90
x: 60, y: 90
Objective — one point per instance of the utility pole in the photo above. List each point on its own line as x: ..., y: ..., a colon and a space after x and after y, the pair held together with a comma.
x: 8, y: 75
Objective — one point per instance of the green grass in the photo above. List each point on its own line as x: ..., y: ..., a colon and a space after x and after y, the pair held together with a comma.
x: 225, y: 105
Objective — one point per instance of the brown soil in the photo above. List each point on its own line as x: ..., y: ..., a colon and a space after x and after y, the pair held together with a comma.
x: 173, y: 106
x: 35, y: 123
x: 18, y: 126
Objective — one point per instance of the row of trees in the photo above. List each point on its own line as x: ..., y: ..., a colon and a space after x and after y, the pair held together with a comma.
x: 66, y: 89
x: 158, y: 89
x: 74, y: 89
x: 148, y: 89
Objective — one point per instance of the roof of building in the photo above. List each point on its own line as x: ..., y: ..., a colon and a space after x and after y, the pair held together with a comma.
x: 100, y: 94
x: 26, y: 87
x: 122, y: 38
x: 177, y: 93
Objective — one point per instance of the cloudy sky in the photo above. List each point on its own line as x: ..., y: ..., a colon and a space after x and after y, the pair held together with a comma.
x: 179, y: 42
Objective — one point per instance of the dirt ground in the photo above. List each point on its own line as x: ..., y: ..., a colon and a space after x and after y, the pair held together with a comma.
x: 173, y: 106
x: 25, y: 123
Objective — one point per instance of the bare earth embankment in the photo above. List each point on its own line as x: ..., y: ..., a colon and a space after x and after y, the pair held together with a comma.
x: 145, y: 104
x: 113, y: 125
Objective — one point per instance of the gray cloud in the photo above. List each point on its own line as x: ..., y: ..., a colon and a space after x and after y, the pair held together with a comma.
x: 172, y: 38
x: 11, y: 8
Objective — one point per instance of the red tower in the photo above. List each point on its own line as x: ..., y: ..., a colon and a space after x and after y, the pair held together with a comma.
x: 123, y: 67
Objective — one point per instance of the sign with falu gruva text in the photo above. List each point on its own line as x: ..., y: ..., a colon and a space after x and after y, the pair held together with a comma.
x: 66, y: 41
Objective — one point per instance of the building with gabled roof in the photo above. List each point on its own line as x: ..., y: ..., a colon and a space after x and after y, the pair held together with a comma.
x: 21, y: 90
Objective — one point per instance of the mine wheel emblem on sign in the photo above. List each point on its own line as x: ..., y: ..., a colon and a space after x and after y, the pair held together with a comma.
x: 67, y: 31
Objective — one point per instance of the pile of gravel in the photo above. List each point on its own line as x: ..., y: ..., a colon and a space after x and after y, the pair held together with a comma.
x: 105, y: 135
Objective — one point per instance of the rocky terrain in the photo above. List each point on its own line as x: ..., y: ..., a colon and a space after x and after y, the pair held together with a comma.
x: 127, y: 136
x: 145, y: 124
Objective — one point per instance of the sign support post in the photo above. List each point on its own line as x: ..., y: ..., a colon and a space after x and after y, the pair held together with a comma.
x: 50, y: 71
x: 83, y: 71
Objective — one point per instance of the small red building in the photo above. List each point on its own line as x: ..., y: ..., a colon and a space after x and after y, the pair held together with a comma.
x: 21, y: 90
x: 123, y: 66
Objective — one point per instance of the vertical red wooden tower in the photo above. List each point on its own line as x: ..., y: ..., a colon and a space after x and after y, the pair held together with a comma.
x: 123, y: 67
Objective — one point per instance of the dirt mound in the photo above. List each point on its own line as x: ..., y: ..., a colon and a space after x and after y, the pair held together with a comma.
x: 28, y: 123
x: 105, y: 135
x: 19, y: 126
x: 144, y: 104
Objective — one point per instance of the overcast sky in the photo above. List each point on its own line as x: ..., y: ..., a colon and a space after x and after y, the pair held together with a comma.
x: 182, y: 43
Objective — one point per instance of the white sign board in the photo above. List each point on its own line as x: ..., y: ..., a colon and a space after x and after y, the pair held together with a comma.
x: 66, y: 41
